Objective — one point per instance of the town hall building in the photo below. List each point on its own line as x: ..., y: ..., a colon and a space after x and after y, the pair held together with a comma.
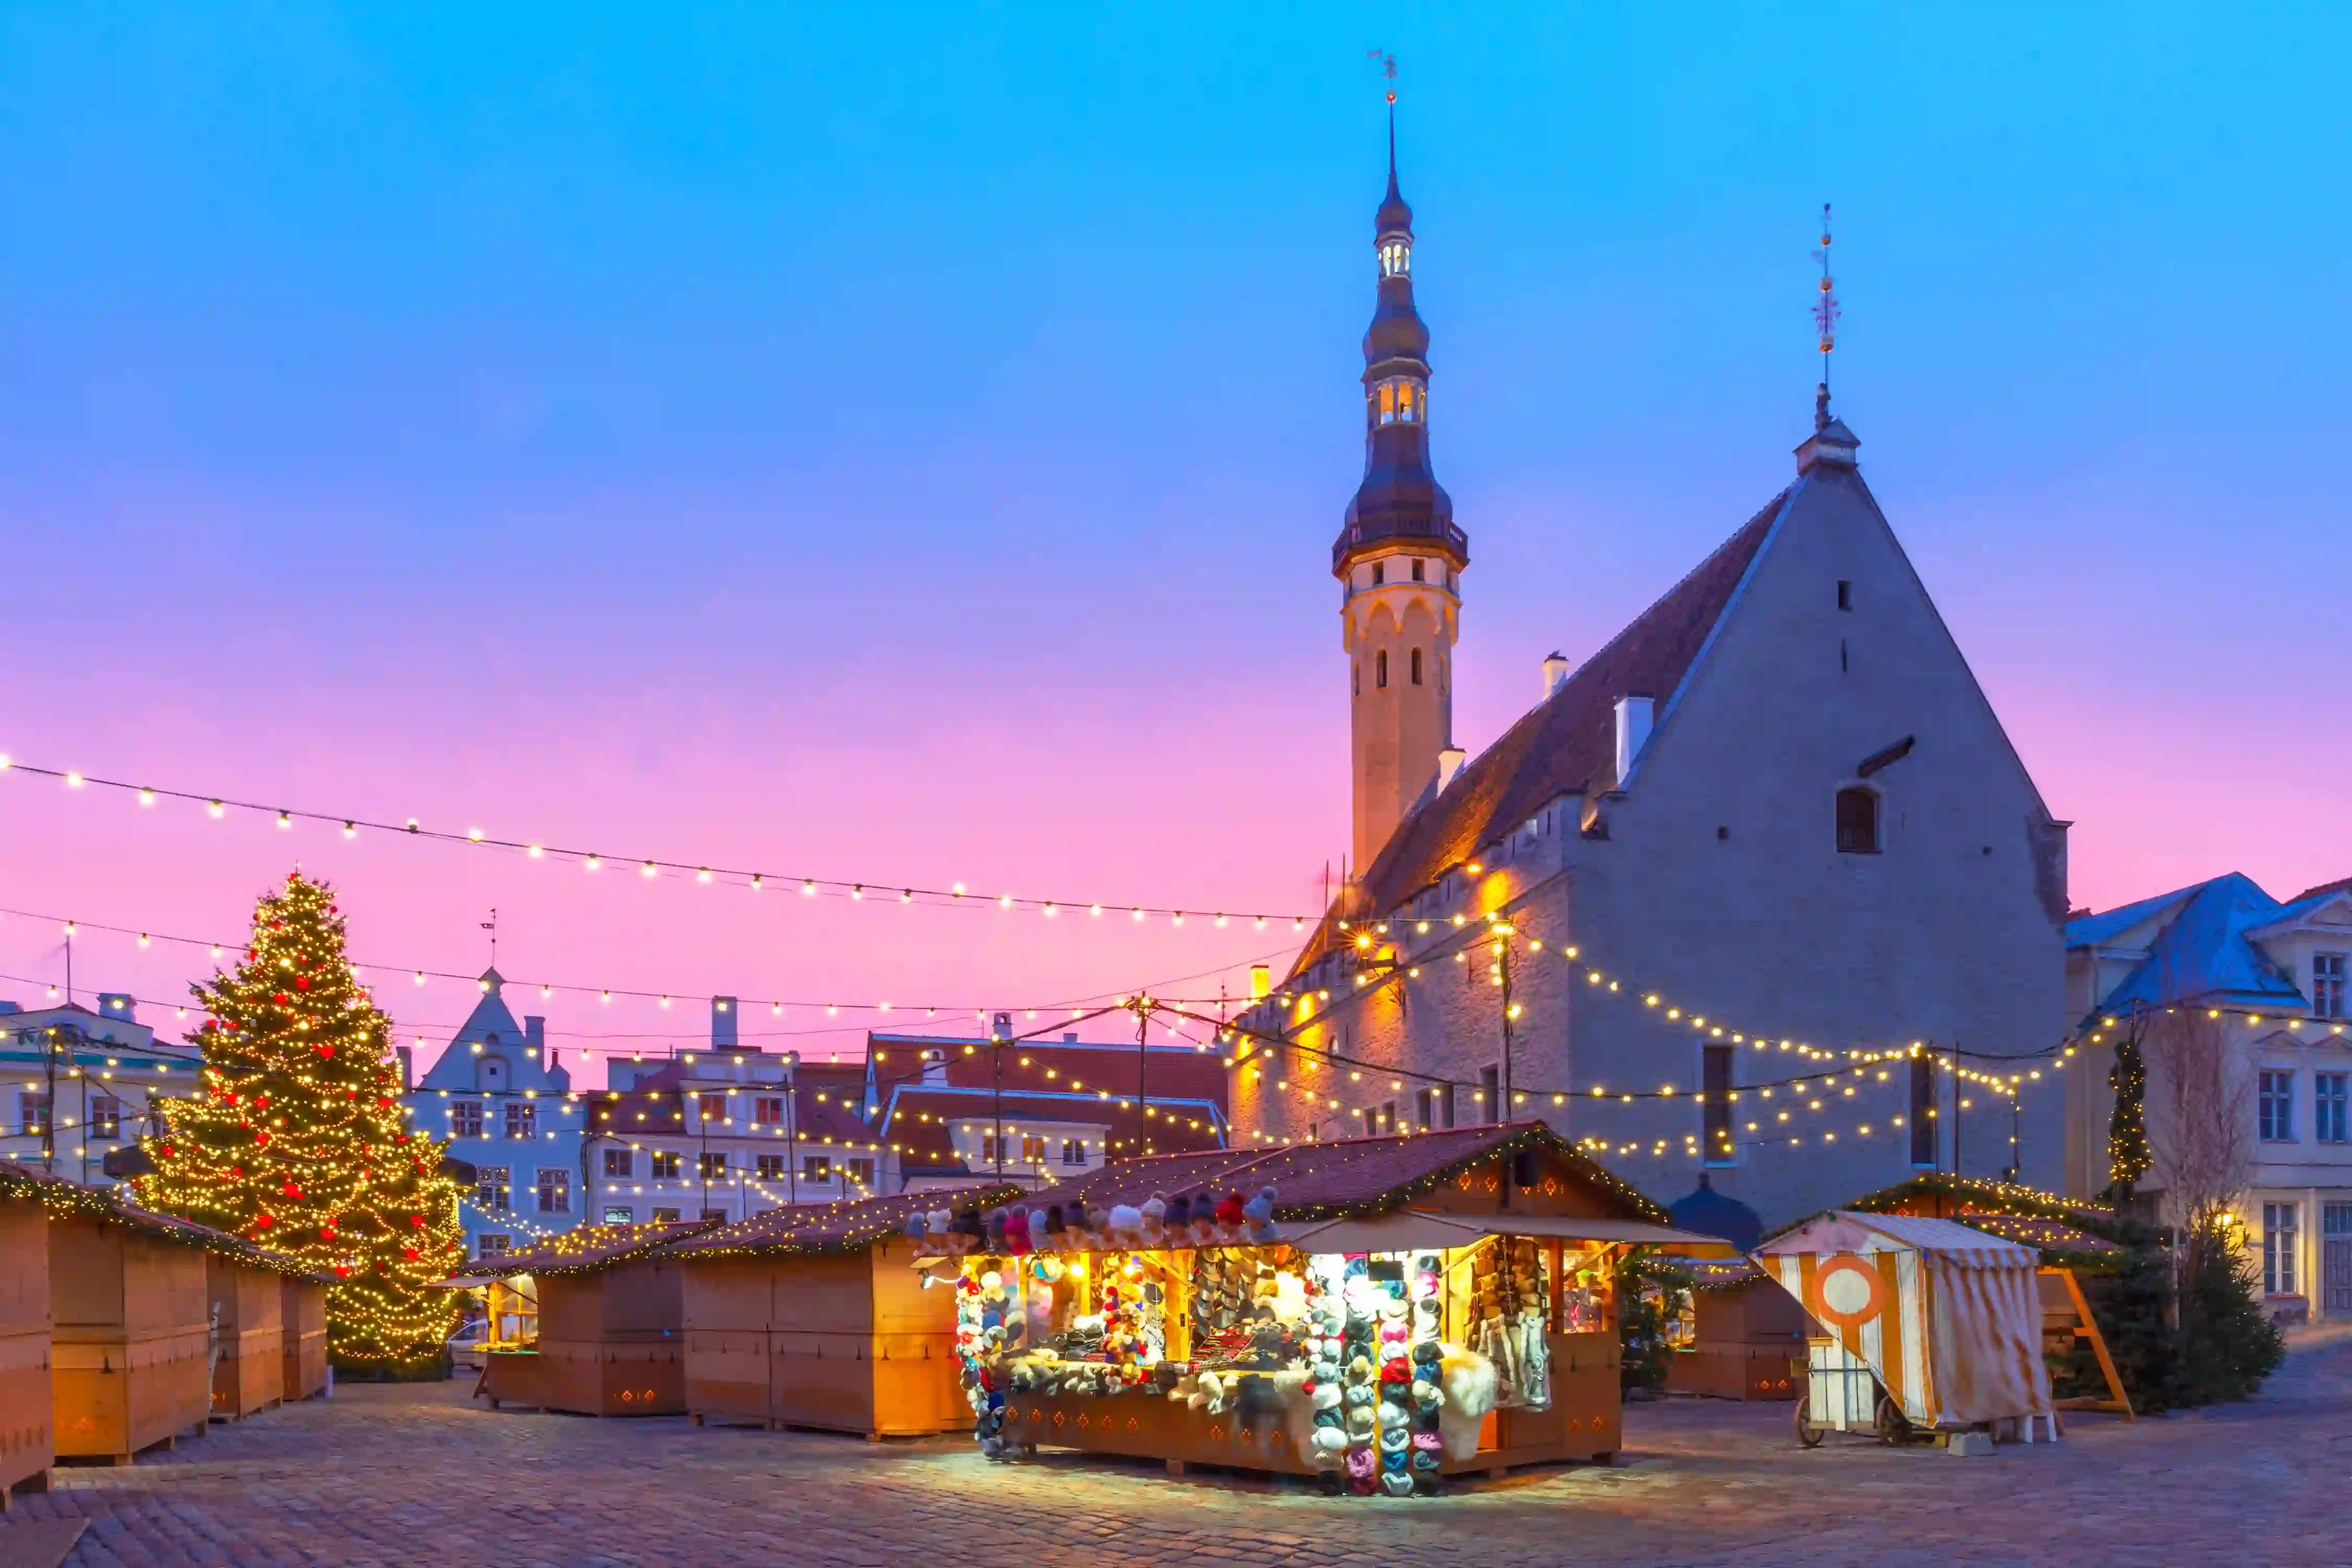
x: 1759, y: 890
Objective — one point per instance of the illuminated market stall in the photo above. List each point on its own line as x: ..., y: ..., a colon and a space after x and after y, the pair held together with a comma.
x: 814, y: 1316
x: 1377, y: 1313
x: 1746, y: 1335
x: 590, y: 1322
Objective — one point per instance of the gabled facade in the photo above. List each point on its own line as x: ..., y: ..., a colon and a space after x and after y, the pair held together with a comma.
x: 2271, y: 979
x: 1779, y: 802
x: 507, y: 1107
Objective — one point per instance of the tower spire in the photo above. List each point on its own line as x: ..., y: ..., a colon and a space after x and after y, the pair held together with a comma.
x: 1825, y: 317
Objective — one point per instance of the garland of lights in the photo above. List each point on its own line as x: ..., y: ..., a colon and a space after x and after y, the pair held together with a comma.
x: 104, y: 1204
x: 649, y: 867
x: 298, y: 1135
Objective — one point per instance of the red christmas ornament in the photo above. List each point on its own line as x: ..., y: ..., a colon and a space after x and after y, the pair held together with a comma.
x: 409, y: 1253
x: 326, y: 1050
x: 302, y: 982
x: 265, y: 1221
x: 417, y: 1221
x: 341, y: 1272
x: 168, y: 1151
x: 279, y: 997
x: 261, y: 1140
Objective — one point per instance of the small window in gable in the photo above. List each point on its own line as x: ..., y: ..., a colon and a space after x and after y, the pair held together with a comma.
x: 1857, y: 820
x: 1845, y: 595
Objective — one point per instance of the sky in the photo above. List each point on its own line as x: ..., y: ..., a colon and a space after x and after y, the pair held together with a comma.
x: 905, y: 446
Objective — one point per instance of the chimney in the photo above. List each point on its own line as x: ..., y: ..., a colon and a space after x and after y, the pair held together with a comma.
x: 935, y: 1065
x: 407, y: 1067
x: 1633, y: 735
x: 1449, y: 763
x: 1555, y: 672
x: 1069, y: 1037
x: 1261, y: 981
x: 534, y: 1034
x: 723, y: 1037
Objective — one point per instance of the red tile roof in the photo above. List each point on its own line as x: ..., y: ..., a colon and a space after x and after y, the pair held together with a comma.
x: 1565, y: 745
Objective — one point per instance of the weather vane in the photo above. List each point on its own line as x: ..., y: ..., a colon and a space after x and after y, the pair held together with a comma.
x: 1388, y: 69
x: 491, y: 926
x: 1825, y: 317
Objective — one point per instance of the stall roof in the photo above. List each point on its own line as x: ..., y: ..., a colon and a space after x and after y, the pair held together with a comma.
x: 62, y: 1196
x: 1843, y: 1230
x: 851, y: 1225
x: 1351, y: 1176
x: 1408, y: 1230
x: 1941, y: 1192
x: 2051, y: 1238
x: 588, y: 1249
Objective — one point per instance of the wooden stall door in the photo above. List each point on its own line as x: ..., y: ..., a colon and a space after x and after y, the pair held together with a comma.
x: 727, y: 1305
x: 27, y: 1442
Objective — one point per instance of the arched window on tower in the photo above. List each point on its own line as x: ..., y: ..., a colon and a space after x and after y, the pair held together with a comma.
x: 1409, y: 400
x: 1387, y: 398
x: 1857, y: 820
x: 1416, y: 666
x: 1396, y: 258
x: 1380, y: 670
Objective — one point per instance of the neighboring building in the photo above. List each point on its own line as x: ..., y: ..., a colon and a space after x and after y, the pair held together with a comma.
x: 1778, y: 799
x: 729, y: 1132
x: 1059, y: 1109
x: 505, y: 1104
x: 81, y: 1085
x: 2276, y: 974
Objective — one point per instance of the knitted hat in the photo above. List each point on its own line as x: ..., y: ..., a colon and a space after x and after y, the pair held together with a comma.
x: 1396, y: 1440
x: 1397, y: 1486
x: 1360, y: 1462
x: 1428, y: 1442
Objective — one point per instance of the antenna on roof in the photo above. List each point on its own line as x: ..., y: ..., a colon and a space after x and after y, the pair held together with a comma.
x: 1825, y: 319
x: 491, y: 926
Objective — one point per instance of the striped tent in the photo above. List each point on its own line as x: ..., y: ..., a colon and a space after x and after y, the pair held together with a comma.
x: 1947, y: 1316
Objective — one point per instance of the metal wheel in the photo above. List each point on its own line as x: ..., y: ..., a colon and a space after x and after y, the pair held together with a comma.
x: 1807, y: 1433
x: 1894, y: 1427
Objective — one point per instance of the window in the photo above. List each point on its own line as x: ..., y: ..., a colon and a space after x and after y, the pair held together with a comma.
x: 1381, y: 665
x: 1424, y: 1109
x: 105, y: 1116
x: 555, y: 1190
x: 1315, y: 1132
x: 711, y: 1107
x: 711, y: 1165
x: 464, y: 1119
x: 2278, y: 1250
x: 767, y: 1110
x: 1033, y: 1149
x: 2274, y: 1106
x: 1857, y: 820
x: 1490, y: 1092
x: 664, y: 1162
x: 620, y: 1163
x: 772, y: 1167
x: 1845, y: 595
x: 1384, y: 1120
x: 522, y: 1118
x: 491, y: 1245
x: 1923, y: 1112
x: 2331, y: 1098
x: 1715, y: 1118
x: 620, y: 1214
x: 32, y: 1114
x: 1388, y: 416
x: 714, y: 1214
x: 490, y: 1193
x: 665, y: 1216
x: 816, y: 1168
x: 1416, y: 666
x: 1396, y: 258
x: 1419, y: 570
x: 861, y: 1170
x: 2328, y: 984
x: 1445, y: 1105
x: 1074, y: 1151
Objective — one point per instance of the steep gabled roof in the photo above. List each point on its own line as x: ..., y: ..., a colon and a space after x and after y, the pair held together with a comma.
x: 1565, y: 745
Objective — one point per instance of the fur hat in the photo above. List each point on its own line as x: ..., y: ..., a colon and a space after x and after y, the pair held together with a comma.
x: 1359, y: 1423
x: 1392, y: 1417
x: 1325, y: 1395
x: 1427, y: 1354
x: 1330, y: 1440
x: 1359, y: 1396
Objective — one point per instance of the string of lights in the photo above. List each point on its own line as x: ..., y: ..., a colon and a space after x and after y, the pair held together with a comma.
x: 653, y: 866
x: 419, y: 976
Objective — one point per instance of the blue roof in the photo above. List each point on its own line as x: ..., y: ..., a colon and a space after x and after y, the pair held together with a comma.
x: 1703, y: 1211
x: 2203, y: 952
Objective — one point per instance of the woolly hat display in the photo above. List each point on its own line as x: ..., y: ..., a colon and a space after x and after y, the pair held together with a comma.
x: 1330, y: 1421
x: 1426, y: 1314
x: 1155, y: 1209
x: 1396, y: 1440
x: 1427, y: 1395
x: 1229, y: 1212
x: 1426, y: 1459
x: 1359, y: 1422
x: 1396, y: 1372
x: 1428, y: 1442
x: 1359, y: 1370
x: 1331, y: 1440
x: 1326, y: 1396
x: 1427, y: 1354
x: 1397, y: 1486
x: 1392, y: 1309
x: 1397, y: 1463
x: 1259, y: 1213
x: 1360, y: 1393
x: 1392, y: 1417
x: 1360, y: 1462
x: 1358, y: 1266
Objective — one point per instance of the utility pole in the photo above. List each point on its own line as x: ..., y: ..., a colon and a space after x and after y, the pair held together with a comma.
x: 1142, y: 1067
x: 50, y: 1108
x: 999, y: 1027
x: 1954, y: 1060
x: 1503, y: 962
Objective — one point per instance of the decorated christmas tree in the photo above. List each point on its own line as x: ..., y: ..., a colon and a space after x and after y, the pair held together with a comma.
x: 297, y: 1138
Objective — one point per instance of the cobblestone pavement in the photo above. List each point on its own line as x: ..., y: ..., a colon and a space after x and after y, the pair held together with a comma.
x: 416, y: 1475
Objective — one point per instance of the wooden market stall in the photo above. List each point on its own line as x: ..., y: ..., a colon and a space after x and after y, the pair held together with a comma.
x: 815, y: 1316
x: 27, y: 1445
x: 590, y: 1322
x: 302, y: 1321
x: 1377, y: 1313
x: 1747, y: 1335
x: 246, y: 1300
x: 132, y: 1325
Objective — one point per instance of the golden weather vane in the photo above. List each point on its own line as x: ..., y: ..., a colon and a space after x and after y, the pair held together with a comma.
x: 1825, y: 319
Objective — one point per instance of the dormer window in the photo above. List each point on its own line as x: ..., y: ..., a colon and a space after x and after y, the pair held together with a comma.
x: 1396, y: 257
